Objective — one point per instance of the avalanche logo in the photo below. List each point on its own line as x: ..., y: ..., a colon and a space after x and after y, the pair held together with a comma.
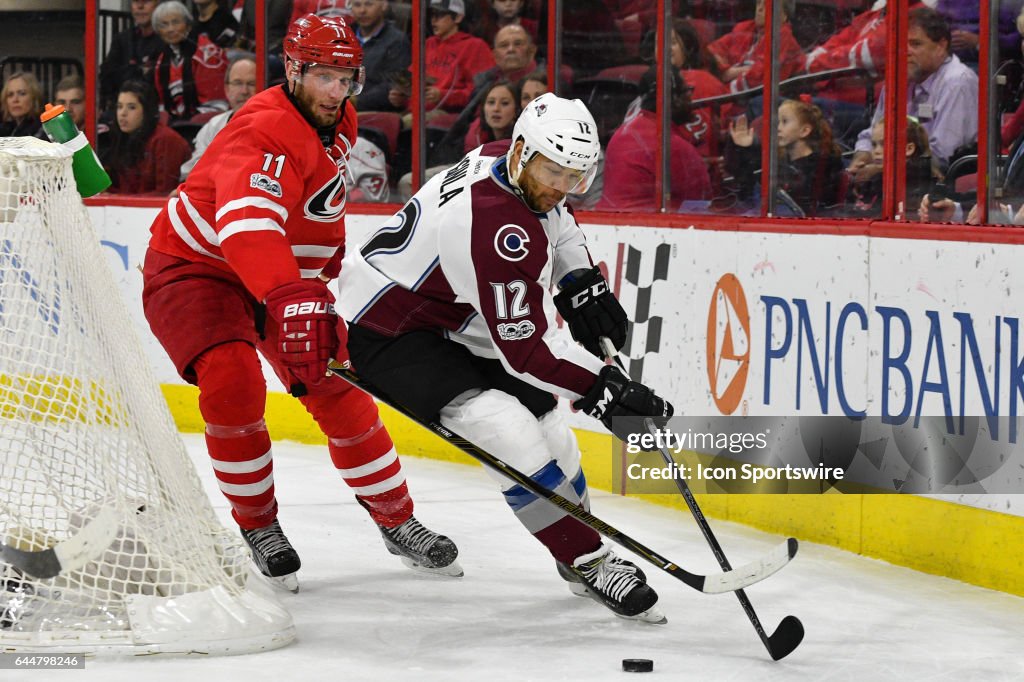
x: 510, y: 242
x: 329, y: 201
x: 516, y: 331
x: 728, y: 343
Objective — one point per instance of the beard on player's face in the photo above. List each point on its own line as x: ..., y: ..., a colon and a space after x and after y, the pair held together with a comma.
x: 322, y: 113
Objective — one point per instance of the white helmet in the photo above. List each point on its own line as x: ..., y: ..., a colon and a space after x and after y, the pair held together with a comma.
x: 562, y: 130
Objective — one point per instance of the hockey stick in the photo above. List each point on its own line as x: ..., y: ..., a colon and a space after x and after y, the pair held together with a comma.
x: 790, y: 632
x: 67, y: 555
x: 731, y: 580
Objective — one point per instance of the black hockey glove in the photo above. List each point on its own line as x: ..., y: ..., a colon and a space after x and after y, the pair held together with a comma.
x: 592, y: 311
x: 614, y: 395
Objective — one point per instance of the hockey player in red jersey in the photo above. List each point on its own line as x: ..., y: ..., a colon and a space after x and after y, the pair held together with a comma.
x: 451, y: 313
x: 240, y: 260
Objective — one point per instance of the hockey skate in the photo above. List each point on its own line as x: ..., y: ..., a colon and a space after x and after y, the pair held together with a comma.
x: 576, y: 585
x: 422, y: 549
x: 274, y: 555
x: 619, y: 585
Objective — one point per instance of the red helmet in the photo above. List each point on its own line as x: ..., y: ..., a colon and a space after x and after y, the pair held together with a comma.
x: 329, y: 41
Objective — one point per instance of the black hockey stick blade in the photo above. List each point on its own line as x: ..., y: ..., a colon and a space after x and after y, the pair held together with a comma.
x: 728, y: 581
x: 68, y: 555
x: 786, y: 638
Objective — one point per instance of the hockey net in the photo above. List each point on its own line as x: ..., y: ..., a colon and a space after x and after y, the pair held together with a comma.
x: 86, y: 442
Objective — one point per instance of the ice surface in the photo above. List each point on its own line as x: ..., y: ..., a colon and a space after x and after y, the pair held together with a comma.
x: 361, y: 615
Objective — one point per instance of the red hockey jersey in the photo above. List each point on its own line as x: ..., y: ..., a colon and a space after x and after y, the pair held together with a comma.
x: 266, y: 200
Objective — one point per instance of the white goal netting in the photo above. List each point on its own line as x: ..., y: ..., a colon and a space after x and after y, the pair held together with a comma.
x: 86, y: 440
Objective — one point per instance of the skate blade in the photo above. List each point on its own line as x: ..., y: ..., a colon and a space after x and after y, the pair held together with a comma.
x: 288, y: 582
x: 452, y: 570
x: 652, y: 616
x: 578, y: 589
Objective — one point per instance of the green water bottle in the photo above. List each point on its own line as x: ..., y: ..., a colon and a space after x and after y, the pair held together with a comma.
x: 89, y: 174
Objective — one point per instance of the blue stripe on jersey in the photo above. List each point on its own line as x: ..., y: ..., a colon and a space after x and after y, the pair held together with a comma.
x: 376, y: 297
x: 579, y: 484
x: 549, y: 476
x: 499, y: 171
x: 430, y: 269
x: 466, y: 323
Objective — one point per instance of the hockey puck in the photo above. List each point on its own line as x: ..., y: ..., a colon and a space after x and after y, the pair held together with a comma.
x: 637, y: 665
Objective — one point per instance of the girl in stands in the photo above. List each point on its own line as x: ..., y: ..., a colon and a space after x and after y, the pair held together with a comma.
x: 866, y: 191
x: 142, y: 155
x: 530, y: 87
x: 499, y: 110
x: 810, y: 164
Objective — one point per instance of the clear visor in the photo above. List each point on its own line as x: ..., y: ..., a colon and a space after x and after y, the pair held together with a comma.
x: 560, y: 178
x: 326, y: 74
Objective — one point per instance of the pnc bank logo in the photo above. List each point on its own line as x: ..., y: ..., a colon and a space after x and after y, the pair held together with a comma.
x: 728, y: 343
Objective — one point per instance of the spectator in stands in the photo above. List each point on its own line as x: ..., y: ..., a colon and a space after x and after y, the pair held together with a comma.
x: 70, y: 94
x: 386, y: 50
x: 629, y: 166
x: 239, y: 87
x: 810, y: 164
x: 866, y: 190
x: 963, y: 17
x: 189, y: 72
x: 530, y: 87
x: 499, y: 110
x: 942, y: 93
x: 21, y: 102
x: 142, y: 155
x: 215, y: 20
x: 502, y: 13
x: 132, y: 53
x: 453, y: 58
x: 861, y: 44
x: 514, y: 53
x: 740, y: 54
x: 698, y: 70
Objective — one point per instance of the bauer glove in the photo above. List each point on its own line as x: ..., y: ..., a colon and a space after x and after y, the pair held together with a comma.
x: 307, y: 332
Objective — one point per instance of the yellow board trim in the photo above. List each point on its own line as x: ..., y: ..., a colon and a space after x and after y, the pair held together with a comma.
x: 973, y: 545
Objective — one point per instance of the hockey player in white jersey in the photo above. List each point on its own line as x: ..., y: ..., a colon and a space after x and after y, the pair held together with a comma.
x: 451, y: 313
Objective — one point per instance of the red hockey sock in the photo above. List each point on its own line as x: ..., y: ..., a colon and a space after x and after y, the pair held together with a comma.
x: 232, y: 397
x: 363, y: 454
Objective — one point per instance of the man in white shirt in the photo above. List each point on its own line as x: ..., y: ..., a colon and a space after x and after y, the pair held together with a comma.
x: 239, y: 86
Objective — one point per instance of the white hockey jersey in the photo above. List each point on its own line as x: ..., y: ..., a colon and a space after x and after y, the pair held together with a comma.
x: 468, y: 258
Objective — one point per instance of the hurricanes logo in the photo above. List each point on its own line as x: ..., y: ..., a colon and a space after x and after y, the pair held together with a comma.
x: 210, y: 56
x: 728, y: 343
x: 329, y: 201
x: 510, y: 242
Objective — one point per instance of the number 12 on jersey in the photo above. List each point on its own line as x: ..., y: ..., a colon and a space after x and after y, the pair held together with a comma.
x: 519, y: 307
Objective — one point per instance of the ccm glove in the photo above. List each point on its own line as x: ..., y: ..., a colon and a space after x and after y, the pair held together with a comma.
x: 308, y: 332
x: 592, y: 311
x: 614, y: 396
